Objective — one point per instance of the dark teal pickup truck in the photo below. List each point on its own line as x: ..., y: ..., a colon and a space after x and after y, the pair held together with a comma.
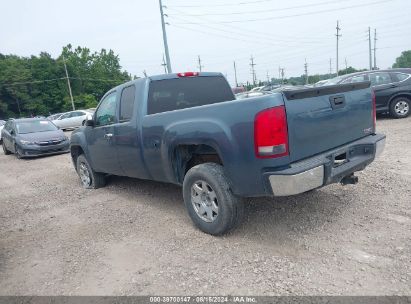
x: 188, y: 129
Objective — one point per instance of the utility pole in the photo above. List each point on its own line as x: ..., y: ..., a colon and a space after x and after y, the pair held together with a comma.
x: 268, y: 79
x: 338, y: 38
x: 145, y: 73
x: 282, y: 76
x: 164, y: 64
x: 252, y: 65
x: 306, y: 71
x: 199, y: 64
x: 375, y: 49
x: 68, y: 83
x: 163, y: 26
x: 235, y: 75
x: 331, y: 69
x: 369, y: 46
x: 346, y: 64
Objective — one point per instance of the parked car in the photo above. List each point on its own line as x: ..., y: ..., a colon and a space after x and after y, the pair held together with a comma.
x: 54, y: 116
x: 29, y: 137
x: 238, y: 90
x: 221, y: 149
x: 256, y: 89
x: 2, y: 122
x: 72, y: 120
x: 392, y: 89
x: 251, y: 94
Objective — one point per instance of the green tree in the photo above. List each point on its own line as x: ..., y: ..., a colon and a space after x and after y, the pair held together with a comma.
x: 404, y: 61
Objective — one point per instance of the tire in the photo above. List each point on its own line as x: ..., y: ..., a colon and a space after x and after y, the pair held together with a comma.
x: 6, y: 152
x: 400, y: 107
x: 216, y: 210
x: 17, y: 152
x: 88, y: 177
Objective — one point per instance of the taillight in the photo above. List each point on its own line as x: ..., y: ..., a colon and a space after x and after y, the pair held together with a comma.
x: 374, y: 110
x: 188, y: 74
x: 270, y: 133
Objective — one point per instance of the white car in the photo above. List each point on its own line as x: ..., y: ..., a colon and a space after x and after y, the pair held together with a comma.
x: 2, y: 122
x: 73, y: 119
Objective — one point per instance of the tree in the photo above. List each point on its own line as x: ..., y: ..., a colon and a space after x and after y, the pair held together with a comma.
x: 404, y: 61
x: 37, y: 85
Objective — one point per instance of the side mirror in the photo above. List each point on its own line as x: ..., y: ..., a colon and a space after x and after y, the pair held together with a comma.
x: 89, y: 123
x: 12, y: 133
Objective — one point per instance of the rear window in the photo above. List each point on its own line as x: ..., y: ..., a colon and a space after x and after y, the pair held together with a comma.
x: 400, y: 76
x: 188, y: 92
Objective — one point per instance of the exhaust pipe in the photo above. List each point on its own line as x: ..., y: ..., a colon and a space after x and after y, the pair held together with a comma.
x: 349, y: 180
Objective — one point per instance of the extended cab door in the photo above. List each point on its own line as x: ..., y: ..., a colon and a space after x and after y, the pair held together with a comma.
x: 101, y: 144
x: 127, y: 133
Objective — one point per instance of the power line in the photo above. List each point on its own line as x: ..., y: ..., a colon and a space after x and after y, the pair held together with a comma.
x: 338, y: 35
x: 200, y: 67
x: 68, y: 83
x: 252, y: 65
x: 265, y: 10
x: 163, y: 26
x: 296, y: 15
x: 164, y: 64
x: 369, y: 46
x: 375, y: 49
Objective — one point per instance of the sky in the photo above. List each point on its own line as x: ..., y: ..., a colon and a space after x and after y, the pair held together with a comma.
x: 276, y: 33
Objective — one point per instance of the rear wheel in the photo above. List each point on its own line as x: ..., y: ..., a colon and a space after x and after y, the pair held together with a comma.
x: 212, y: 206
x: 400, y: 107
x: 88, y: 177
x: 6, y: 152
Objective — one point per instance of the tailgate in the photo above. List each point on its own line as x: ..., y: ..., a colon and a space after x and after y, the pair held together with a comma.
x: 320, y: 119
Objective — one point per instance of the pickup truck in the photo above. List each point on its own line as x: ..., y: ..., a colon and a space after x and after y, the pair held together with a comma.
x: 188, y: 129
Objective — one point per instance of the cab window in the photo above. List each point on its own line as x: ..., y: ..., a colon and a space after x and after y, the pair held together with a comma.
x: 106, y: 112
x: 127, y: 103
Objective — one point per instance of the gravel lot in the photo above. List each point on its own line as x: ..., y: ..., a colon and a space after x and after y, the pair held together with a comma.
x: 135, y: 238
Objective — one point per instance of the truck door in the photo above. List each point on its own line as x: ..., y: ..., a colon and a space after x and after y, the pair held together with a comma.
x: 127, y: 132
x: 101, y: 144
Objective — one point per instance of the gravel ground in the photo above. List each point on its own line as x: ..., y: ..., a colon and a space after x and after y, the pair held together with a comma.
x: 135, y: 238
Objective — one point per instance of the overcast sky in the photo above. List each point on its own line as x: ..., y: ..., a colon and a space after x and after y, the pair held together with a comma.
x: 277, y: 33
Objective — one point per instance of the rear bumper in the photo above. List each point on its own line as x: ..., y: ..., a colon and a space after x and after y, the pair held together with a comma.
x: 326, y: 168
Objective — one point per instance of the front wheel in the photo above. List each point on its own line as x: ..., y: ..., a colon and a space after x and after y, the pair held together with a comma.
x: 88, y: 177
x: 17, y: 152
x: 6, y: 152
x: 212, y: 206
x: 400, y: 107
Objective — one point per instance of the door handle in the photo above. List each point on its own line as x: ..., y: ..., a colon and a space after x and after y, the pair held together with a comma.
x: 108, y: 136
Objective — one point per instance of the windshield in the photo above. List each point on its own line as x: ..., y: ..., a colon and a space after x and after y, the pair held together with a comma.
x: 34, y: 126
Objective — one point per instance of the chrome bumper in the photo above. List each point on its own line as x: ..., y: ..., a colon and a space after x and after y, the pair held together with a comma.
x: 284, y: 185
x: 323, y: 169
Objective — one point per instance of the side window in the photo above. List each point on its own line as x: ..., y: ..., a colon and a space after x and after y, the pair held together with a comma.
x: 106, y: 112
x: 380, y: 78
x: 67, y: 115
x: 127, y: 103
x: 347, y: 80
x: 7, y: 126
x: 77, y: 114
x: 359, y: 78
x: 397, y: 77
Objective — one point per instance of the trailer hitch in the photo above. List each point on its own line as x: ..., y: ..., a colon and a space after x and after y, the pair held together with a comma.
x: 349, y: 180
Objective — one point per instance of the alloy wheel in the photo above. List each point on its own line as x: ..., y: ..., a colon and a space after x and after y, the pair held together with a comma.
x: 402, y: 107
x: 84, y: 174
x: 204, y: 201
